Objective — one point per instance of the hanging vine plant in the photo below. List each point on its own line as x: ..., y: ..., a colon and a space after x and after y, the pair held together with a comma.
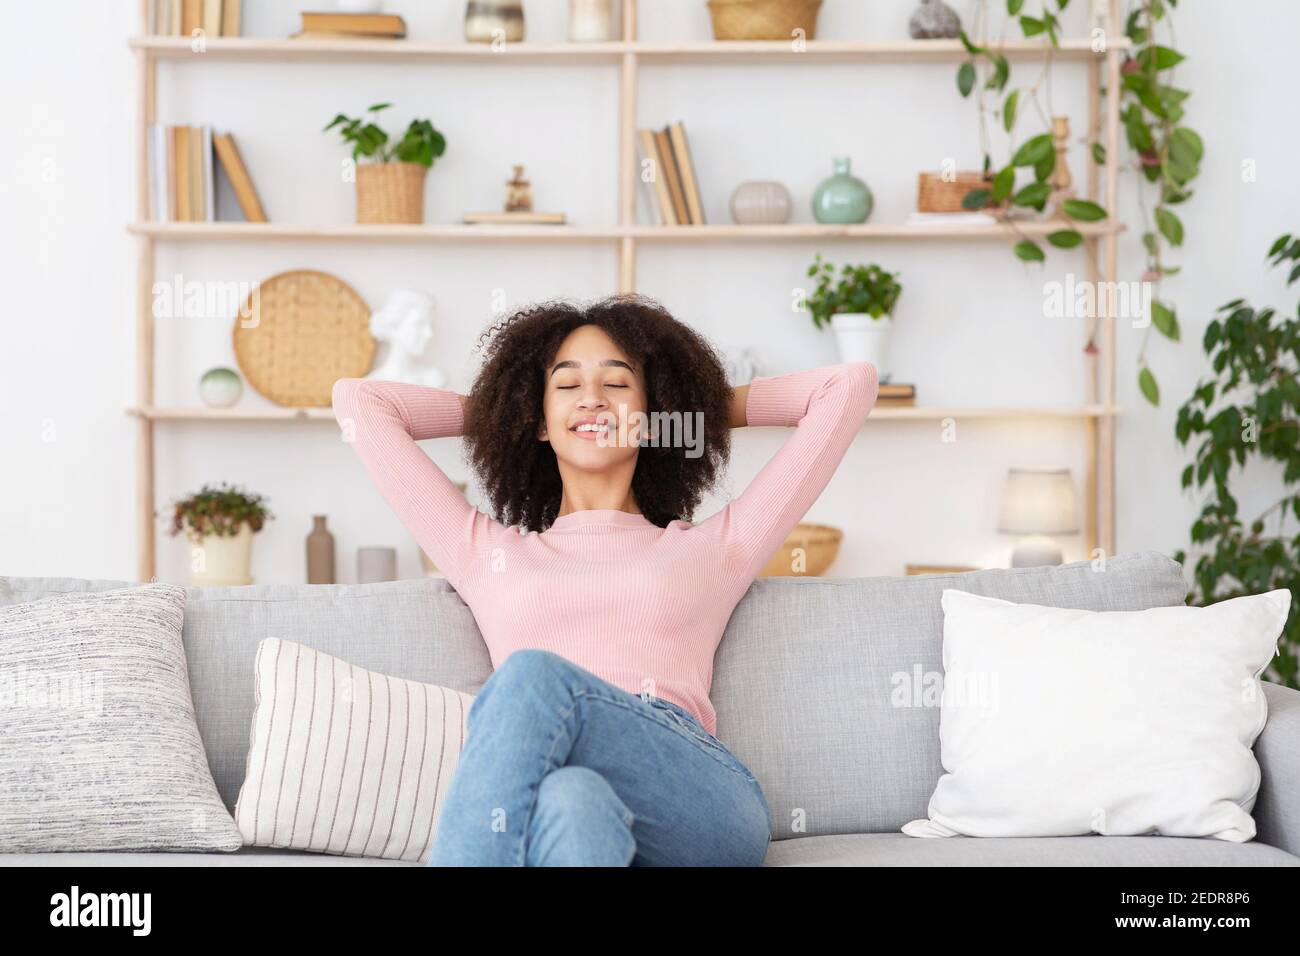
x: 990, y: 73
x: 1166, y: 153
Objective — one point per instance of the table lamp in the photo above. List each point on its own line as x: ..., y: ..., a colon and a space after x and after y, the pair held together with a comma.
x: 1037, y: 503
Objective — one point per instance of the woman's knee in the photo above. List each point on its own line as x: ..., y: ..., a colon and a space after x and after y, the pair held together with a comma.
x: 580, y: 820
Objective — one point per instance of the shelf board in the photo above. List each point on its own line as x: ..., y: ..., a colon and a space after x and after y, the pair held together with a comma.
x: 709, y: 51
x: 880, y: 412
x: 352, y: 232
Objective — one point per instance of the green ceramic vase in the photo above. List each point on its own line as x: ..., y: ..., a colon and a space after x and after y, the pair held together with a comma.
x: 842, y: 198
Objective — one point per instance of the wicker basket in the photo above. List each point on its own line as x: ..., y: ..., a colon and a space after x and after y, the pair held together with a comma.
x: 935, y: 194
x: 820, y: 543
x: 390, y: 192
x: 763, y: 19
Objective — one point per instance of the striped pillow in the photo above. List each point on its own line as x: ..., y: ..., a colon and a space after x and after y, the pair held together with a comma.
x: 99, y: 749
x: 346, y: 761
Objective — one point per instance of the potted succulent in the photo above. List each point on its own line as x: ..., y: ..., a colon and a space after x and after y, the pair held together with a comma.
x: 390, y: 188
x: 859, y: 306
x: 220, y: 521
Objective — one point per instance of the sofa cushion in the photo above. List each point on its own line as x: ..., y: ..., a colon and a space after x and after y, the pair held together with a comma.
x: 418, y: 629
x: 827, y: 689
x: 345, y: 760
x: 98, y: 744
x: 898, y: 849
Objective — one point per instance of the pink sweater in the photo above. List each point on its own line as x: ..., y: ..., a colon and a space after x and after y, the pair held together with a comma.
x: 640, y: 606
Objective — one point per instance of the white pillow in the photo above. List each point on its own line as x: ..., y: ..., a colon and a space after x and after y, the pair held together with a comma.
x: 346, y: 761
x: 1059, y: 722
x: 99, y: 749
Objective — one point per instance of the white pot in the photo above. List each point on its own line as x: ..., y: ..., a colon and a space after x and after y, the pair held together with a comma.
x: 862, y: 338
x: 217, y: 561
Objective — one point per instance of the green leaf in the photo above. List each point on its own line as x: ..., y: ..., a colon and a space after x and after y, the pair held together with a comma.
x: 1029, y: 251
x: 1035, y: 195
x: 1013, y: 7
x: 1034, y: 151
x: 1171, y: 227
x: 975, y: 199
x: 1065, y: 238
x: 966, y: 78
x: 1031, y: 26
x: 1164, y: 57
x: 1084, y: 210
x: 1147, y: 383
x: 1001, y: 72
x: 1165, y: 321
x: 1149, y: 241
x: 1099, y: 154
x: 1278, y: 245
x: 1187, y: 141
x: 1003, y: 183
x: 971, y: 48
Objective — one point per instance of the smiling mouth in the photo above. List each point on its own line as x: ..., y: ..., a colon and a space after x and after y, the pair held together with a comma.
x: 590, y: 432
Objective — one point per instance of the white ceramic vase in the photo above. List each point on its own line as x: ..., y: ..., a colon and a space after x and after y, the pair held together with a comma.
x: 224, y: 560
x: 862, y: 338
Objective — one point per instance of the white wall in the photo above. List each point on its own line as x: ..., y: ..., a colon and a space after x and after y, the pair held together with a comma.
x: 971, y: 326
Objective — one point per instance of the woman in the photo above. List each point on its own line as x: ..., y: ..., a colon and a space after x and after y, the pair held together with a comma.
x: 598, y: 430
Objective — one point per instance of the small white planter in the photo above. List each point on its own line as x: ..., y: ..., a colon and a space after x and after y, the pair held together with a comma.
x: 218, y: 561
x: 862, y: 338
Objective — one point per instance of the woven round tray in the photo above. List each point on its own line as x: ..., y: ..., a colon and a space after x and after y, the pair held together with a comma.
x: 304, y: 331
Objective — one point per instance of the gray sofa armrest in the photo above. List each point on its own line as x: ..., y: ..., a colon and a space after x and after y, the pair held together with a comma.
x: 1277, y: 808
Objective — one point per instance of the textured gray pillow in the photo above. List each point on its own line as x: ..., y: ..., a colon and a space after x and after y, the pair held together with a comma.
x: 99, y: 749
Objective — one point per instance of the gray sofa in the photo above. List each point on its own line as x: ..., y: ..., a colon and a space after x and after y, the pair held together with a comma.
x: 815, y: 685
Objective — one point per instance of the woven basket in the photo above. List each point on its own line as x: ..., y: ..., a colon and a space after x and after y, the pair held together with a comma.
x: 390, y: 192
x: 763, y: 19
x: 934, y: 194
x: 302, y: 332
x: 820, y: 543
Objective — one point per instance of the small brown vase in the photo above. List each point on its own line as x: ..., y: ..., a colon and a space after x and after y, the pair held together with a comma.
x: 320, y: 553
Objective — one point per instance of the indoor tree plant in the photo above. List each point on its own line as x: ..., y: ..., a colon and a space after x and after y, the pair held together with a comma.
x: 1250, y: 407
x: 220, y: 521
x: 390, y: 188
x: 859, y: 307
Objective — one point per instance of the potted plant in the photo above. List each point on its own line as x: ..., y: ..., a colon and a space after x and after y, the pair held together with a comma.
x: 859, y: 306
x: 1246, y: 414
x: 220, y: 521
x: 390, y: 188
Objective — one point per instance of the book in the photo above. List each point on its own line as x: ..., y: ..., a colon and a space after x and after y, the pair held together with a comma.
x: 212, y: 18
x: 370, y: 24
x: 194, y: 155
x: 209, y: 186
x: 191, y: 16
x: 659, y: 183
x: 241, y: 183
x: 668, y: 168
x: 231, y: 18
x: 686, y: 170
x: 157, y: 173
x: 647, y: 188
x: 511, y: 217
x: 182, y: 182
x: 338, y: 35
x: 972, y: 218
x: 169, y: 139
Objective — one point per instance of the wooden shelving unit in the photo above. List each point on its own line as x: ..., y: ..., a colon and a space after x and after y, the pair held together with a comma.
x: 1097, y: 413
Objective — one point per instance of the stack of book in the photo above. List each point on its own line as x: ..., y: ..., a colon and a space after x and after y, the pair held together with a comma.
x: 182, y: 174
x: 180, y: 18
x: 895, y: 395
x: 673, y: 192
x: 357, y: 26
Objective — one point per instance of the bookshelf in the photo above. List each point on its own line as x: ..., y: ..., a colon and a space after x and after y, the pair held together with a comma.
x: 1097, y: 413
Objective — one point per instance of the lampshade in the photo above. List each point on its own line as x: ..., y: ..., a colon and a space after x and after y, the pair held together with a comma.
x: 1038, y: 501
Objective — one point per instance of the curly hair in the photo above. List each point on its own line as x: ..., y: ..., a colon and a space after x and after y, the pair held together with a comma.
x: 683, y: 373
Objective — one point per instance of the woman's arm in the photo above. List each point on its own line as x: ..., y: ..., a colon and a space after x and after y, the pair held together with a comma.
x: 383, y: 421
x: 827, y: 406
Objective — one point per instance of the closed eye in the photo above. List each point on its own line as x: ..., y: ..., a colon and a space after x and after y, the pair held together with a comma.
x: 608, y: 386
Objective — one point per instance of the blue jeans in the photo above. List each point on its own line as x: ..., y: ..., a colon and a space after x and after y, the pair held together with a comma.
x: 562, y: 768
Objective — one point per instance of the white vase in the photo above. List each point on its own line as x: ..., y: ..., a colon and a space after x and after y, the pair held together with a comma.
x: 223, y: 561
x: 862, y: 338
